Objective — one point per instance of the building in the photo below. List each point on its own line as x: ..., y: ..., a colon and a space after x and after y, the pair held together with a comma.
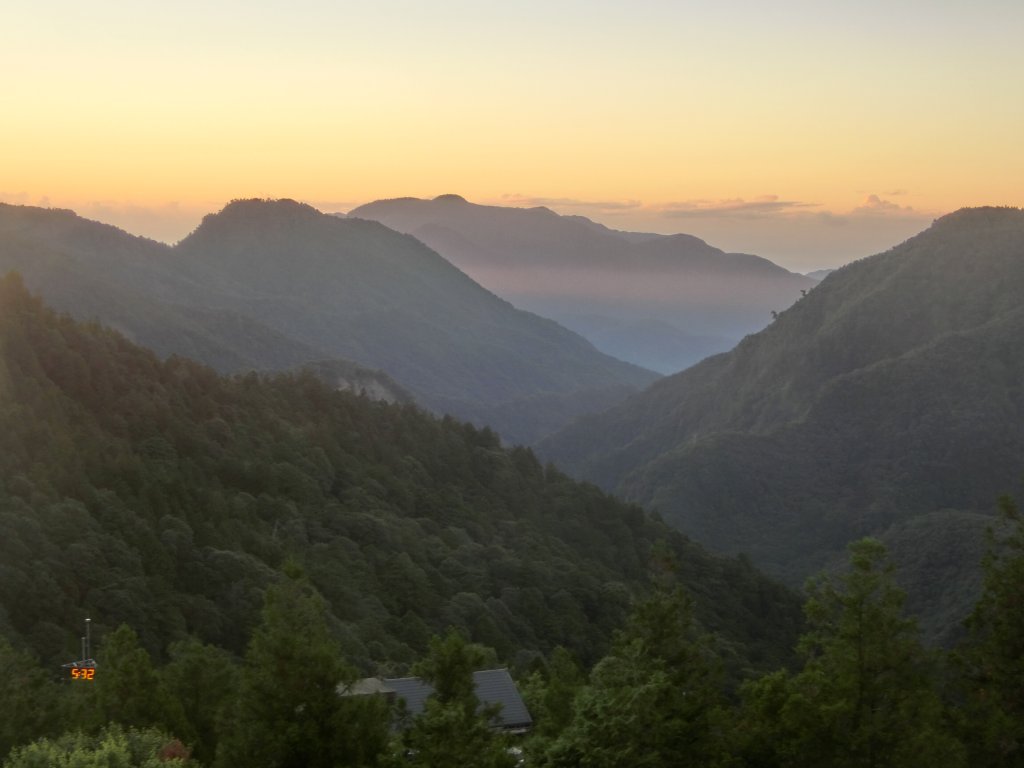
x: 492, y: 687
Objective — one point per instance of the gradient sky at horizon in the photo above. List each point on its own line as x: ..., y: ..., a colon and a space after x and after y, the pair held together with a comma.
x: 808, y: 132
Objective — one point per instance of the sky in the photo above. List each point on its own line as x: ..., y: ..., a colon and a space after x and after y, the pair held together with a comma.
x: 811, y: 133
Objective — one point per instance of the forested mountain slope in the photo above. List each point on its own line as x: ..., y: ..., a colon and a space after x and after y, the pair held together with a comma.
x: 661, y: 301
x: 894, y: 388
x: 165, y: 496
x: 271, y: 285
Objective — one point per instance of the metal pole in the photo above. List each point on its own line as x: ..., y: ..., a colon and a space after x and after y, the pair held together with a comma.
x: 88, y: 639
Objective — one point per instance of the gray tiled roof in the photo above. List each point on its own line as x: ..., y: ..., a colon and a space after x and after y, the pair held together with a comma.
x: 492, y: 686
x: 364, y: 687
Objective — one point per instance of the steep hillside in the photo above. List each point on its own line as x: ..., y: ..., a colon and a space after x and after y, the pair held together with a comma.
x: 159, y: 494
x: 894, y: 389
x: 272, y: 285
x: 663, y: 302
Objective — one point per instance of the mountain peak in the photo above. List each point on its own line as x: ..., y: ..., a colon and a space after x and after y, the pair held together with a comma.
x: 984, y: 216
x: 450, y: 198
x: 264, y: 206
x: 254, y: 213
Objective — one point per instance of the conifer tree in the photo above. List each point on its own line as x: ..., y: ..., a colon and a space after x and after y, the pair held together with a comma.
x: 27, y: 698
x: 652, y: 699
x: 992, y: 659
x: 550, y: 694
x: 203, y: 679
x: 127, y: 689
x: 866, y: 694
x: 453, y: 729
x: 288, y: 712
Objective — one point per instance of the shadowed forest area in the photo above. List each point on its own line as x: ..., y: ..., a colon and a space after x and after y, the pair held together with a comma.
x: 864, y: 691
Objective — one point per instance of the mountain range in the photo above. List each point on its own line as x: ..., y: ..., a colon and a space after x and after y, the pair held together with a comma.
x: 886, y: 402
x: 271, y: 285
x: 660, y: 301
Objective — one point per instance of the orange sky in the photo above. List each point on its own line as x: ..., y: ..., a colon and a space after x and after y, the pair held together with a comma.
x: 811, y: 133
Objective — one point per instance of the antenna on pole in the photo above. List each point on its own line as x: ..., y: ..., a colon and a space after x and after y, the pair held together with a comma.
x: 85, y: 668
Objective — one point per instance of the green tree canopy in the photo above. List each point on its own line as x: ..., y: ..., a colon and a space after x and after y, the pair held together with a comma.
x: 453, y: 728
x: 550, y: 693
x: 992, y: 658
x: 288, y: 712
x: 113, y: 747
x: 651, y: 701
x: 127, y: 688
x: 28, y: 698
x: 865, y: 696
x: 203, y: 680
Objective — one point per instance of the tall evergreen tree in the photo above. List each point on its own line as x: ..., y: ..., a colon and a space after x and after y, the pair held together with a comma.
x: 127, y: 689
x: 203, y: 679
x: 453, y: 729
x: 28, y: 698
x: 550, y: 694
x: 866, y: 696
x: 288, y: 712
x: 992, y: 658
x: 651, y: 700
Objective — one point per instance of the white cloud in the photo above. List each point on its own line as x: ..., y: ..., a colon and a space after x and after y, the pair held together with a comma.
x: 738, y: 207
x: 570, y: 202
x: 874, y: 205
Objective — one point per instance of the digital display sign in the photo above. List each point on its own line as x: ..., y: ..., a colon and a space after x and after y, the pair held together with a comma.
x: 83, y: 673
x: 85, y: 669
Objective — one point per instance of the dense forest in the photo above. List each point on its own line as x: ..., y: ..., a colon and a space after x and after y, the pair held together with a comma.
x: 165, y: 502
x: 162, y: 495
x: 864, y: 692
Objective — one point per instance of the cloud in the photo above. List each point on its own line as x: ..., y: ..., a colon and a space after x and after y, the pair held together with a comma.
x: 874, y: 205
x: 570, y: 202
x: 759, y: 207
x: 772, y: 207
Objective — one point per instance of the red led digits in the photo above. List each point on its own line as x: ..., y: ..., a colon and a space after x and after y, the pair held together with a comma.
x: 84, y: 669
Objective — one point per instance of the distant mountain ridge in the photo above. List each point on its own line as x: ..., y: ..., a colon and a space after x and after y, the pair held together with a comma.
x: 613, y: 287
x: 277, y: 284
x: 893, y: 390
